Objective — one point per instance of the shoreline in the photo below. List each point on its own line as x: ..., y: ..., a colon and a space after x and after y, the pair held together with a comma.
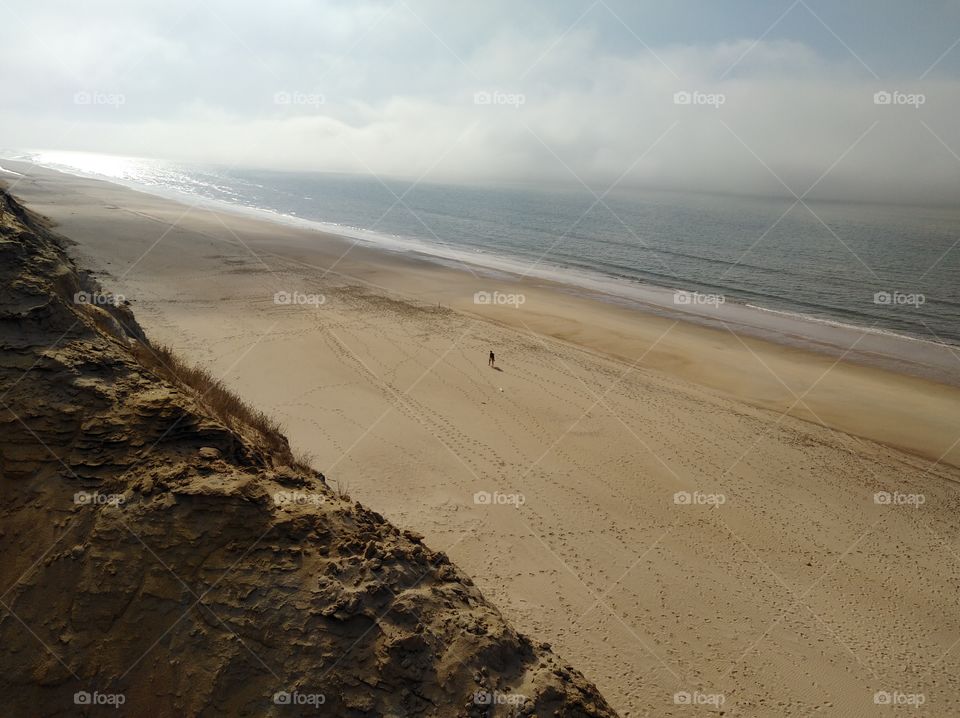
x: 896, y: 408
x: 873, y: 346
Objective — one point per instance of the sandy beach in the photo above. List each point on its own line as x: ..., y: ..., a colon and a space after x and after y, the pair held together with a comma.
x: 688, y: 515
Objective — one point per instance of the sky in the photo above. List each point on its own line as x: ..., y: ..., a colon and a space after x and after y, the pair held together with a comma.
x: 772, y: 97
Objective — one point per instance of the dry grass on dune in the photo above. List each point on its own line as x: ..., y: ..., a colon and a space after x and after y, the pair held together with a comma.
x: 220, y: 401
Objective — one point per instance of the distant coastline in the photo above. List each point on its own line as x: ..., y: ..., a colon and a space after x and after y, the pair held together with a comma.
x: 871, y: 345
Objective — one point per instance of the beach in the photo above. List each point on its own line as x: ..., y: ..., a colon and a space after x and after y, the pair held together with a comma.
x: 689, y: 514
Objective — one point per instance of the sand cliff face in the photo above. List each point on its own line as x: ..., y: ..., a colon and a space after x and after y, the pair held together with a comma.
x: 159, y: 557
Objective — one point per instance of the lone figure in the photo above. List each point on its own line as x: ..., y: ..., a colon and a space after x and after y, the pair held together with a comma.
x: 492, y: 361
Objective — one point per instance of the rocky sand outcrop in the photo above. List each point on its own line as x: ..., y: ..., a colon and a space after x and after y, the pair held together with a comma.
x: 162, y: 553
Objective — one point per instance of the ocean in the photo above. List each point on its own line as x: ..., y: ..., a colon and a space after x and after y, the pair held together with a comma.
x: 889, y: 269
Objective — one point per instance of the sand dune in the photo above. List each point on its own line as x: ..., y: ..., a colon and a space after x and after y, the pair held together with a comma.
x: 608, y: 491
x: 164, y: 553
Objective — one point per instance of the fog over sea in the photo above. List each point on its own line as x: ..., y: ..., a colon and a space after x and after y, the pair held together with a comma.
x: 889, y: 269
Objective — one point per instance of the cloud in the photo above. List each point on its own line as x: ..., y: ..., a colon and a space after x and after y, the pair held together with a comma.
x: 383, y: 89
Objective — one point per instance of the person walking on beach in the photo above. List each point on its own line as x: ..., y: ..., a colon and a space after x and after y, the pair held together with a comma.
x: 492, y: 361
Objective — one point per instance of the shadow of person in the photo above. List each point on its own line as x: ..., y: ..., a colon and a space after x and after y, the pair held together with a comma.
x: 496, y: 368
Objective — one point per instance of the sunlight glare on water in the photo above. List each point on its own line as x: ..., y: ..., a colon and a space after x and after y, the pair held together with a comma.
x: 103, y: 165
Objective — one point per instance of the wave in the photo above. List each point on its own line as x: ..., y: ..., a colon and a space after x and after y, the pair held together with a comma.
x: 845, y: 325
